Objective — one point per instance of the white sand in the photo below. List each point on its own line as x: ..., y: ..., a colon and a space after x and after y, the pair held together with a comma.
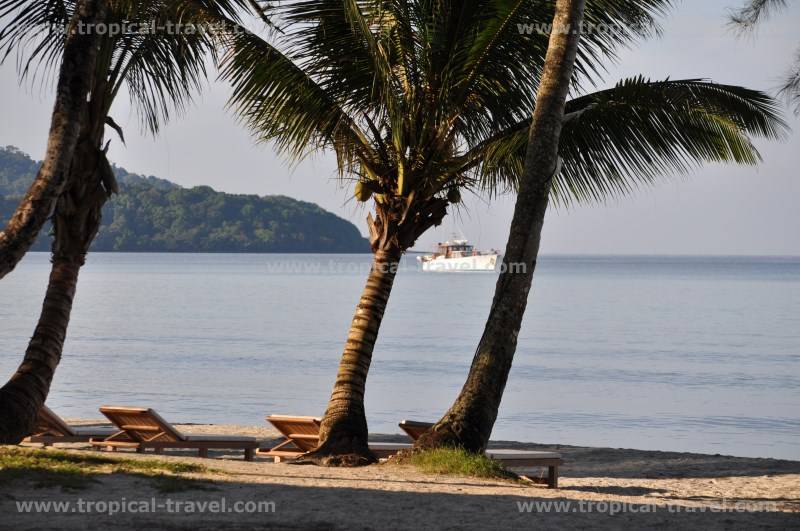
x: 652, y: 489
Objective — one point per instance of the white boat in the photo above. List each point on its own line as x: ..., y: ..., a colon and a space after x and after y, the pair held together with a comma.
x: 457, y: 256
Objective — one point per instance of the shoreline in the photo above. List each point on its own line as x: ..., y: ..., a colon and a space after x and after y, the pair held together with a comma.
x: 267, y: 433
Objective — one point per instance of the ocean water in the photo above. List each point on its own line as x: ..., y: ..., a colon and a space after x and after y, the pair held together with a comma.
x: 669, y: 353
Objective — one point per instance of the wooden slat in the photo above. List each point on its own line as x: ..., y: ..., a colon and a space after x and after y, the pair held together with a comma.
x: 139, y: 427
x: 304, y: 436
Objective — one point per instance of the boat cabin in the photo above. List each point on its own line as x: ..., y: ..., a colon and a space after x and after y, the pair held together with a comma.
x: 455, y: 249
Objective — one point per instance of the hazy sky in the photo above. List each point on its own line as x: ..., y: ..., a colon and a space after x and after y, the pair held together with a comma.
x: 717, y: 210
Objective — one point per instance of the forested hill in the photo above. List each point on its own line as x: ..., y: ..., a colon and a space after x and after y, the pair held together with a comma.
x: 155, y: 215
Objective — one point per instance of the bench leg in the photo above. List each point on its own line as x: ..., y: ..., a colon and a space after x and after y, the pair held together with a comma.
x: 158, y: 450
x: 552, y: 477
x: 249, y: 454
x: 202, y: 452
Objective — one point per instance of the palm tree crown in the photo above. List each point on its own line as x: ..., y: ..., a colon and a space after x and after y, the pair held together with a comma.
x: 403, y: 91
x: 420, y: 99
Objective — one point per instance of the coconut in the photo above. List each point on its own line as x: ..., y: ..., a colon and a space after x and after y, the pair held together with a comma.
x: 363, y: 191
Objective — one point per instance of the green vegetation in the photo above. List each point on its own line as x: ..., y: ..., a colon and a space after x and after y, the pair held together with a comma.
x: 154, y: 215
x: 459, y: 462
x: 17, y: 170
x: 72, y: 471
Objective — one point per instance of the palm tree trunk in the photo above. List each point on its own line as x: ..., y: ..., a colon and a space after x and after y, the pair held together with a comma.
x: 470, y: 420
x: 75, y: 78
x: 343, y: 434
x: 76, y: 221
x: 23, y: 396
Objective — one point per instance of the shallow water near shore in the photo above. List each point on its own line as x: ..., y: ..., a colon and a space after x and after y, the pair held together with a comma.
x: 671, y: 353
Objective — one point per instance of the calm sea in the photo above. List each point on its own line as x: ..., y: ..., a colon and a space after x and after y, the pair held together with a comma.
x: 671, y: 353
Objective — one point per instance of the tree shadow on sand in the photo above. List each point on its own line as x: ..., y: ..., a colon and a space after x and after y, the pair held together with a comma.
x: 300, y: 502
x: 312, y: 507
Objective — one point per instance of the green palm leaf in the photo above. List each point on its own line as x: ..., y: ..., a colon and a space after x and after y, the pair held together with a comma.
x: 279, y: 100
x: 617, y: 139
x: 404, y: 85
x: 35, y: 31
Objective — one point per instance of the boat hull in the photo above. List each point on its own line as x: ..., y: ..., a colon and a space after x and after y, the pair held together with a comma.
x: 486, y: 262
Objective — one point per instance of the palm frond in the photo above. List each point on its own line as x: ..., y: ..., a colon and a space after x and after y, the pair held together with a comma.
x: 279, y: 100
x: 753, y: 13
x: 36, y: 31
x: 334, y: 42
x: 498, y: 55
x: 617, y: 139
x: 161, y: 69
x: 790, y: 88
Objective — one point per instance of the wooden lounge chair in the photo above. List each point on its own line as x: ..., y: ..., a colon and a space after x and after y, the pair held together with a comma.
x: 512, y: 459
x: 51, y: 429
x: 415, y: 429
x: 142, y: 428
x: 301, y: 435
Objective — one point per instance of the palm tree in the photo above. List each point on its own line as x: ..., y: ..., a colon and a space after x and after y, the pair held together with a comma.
x: 161, y: 70
x: 632, y: 134
x: 74, y: 81
x: 465, y: 423
x: 422, y: 99
x: 746, y: 19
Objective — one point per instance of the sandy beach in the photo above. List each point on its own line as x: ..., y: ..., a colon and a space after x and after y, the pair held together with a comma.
x: 599, y: 488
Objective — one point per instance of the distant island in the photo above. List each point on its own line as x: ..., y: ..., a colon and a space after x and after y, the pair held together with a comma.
x: 155, y: 215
